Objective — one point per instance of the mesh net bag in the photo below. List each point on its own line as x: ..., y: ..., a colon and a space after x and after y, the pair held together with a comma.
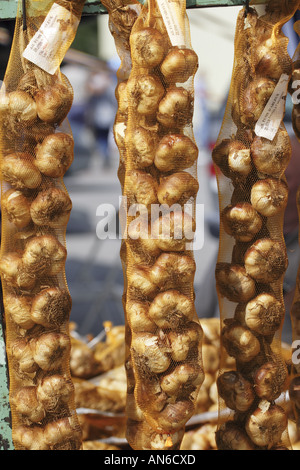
x: 159, y: 183
x: 36, y: 150
x: 251, y: 155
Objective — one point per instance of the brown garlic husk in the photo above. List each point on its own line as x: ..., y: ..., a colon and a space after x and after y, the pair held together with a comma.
x: 22, y: 353
x: 179, y: 65
x: 175, y: 108
x: 231, y: 436
x: 138, y: 318
x: 55, y: 155
x: 254, y: 100
x: 54, y: 391
x: 269, y: 196
x: 17, y: 207
x: 148, y: 47
x: 22, y: 107
x: 270, y: 62
x: 265, y: 426
x: 51, y: 307
x: 14, y: 271
x: 50, y: 350
x: 270, y: 380
x: 183, y: 377
x: 20, y: 171
x: 141, y: 284
x: 150, y: 353
x: 26, y: 402
x: 170, y: 151
x: 236, y: 391
x: 271, y: 158
x: 234, y: 283
x: 51, y: 207
x: 171, y: 309
x: 264, y: 314
x: 30, y: 438
x: 44, y: 254
x: 266, y: 260
x: 18, y: 308
x: 240, y: 342
x: 178, y: 187
x: 64, y: 431
x: 241, y: 221
x: 144, y: 94
x: 175, y: 415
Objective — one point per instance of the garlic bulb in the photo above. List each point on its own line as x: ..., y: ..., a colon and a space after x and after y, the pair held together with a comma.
x: 51, y: 207
x: 269, y: 62
x: 17, y: 208
x: 64, y: 432
x: 143, y: 146
x: 148, y: 47
x: 171, y: 309
x: 55, y: 154
x: 184, y: 341
x: 54, y: 391
x: 20, y: 171
x: 18, y: 308
x: 176, y: 108
x: 26, y: 402
x: 142, y: 188
x: 54, y: 101
x: 50, y: 350
x: 14, y: 271
x: 266, y: 260
x: 44, y: 254
x: 50, y: 307
x: 269, y: 380
x: 179, y: 65
x: 30, y: 438
x: 144, y: 94
x: 150, y: 352
x: 234, y: 283
x: 266, y: 426
x: 137, y: 314
x: 177, y: 188
x: 22, y: 107
x: 241, y: 221
x: 264, y: 314
x: 231, y: 436
x: 254, y: 100
x: 240, y: 342
x: 21, y: 351
x: 170, y: 152
x: 233, y: 157
x: 236, y: 391
x: 269, y: 196
x: 183, y: 376
x: 171, y: 269
x: 272, y: 157
x: 174, y: 230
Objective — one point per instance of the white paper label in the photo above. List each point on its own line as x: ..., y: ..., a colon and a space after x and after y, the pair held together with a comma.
x: 171, y: 14
x: 271, y: 118
x: 49, y: 45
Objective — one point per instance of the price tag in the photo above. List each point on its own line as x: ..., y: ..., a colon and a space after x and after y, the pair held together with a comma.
x: 269, y: 122
x: 49, y: 45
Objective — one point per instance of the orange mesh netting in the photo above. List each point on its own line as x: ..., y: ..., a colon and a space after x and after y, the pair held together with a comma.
x: 36, y: 151
x: 251, y: 155
x: 158, y: 176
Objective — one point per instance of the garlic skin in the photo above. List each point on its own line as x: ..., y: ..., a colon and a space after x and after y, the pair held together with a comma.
x: 26, y: 402
x: 268, y: 59
x: 264, y: 314
x: 148, y: 47
x: 54, y: 391
x: 150, y: 352
x: 63, y: 432
x: 14, y: 272
x: 231, y: 436
x: 18, y: 308
x: 55, y: 154
x: 170, y: 151
x: 272, y: 158
x: 44, y: 254
x: 20, y: 171
x: 176, y: 108
x: 22, y: 107
x: 175, y: 415
x: 51, y: 207
x: 270, y: 380
x: 254, y: 100
x: 30, y: 438
x: 174, y: 230
x: 269, y: 196
x: 22, y: 353
x: 177, y: 188
x: 54, y: 102
x: 141, y: 188
x: 51, y: 307
x: 143, y: 146
x: 234, y: 283
x: 233, y: 158
x: 144, y: 94
x: 266, y: 260
x: 171, y: 309
x: 171, y: 269
x: 236, y: 391
x: 17, y: 208
x: 265, y: 427
x: 179, y: 65
x: 182, y: 342
x: 241, y: 221
x: 184, y: 376
x: 50, y: 350
x: 137, y: 314
x: 141, y: 284
x: 240, y: 342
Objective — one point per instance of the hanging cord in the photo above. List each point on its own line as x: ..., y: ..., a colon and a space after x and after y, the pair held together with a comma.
x: 24, y: 15
x: 247, y: 7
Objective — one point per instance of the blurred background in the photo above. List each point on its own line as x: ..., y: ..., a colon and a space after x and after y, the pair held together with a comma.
x: 93, y: 267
